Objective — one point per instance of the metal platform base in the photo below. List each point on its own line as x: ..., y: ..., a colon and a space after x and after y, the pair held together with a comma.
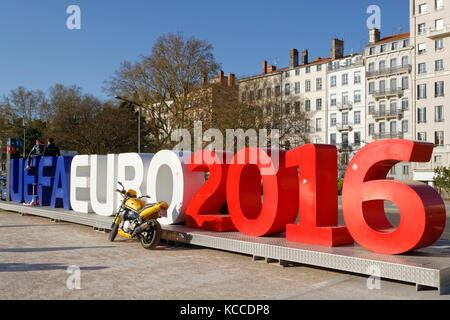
x: 429, y: 267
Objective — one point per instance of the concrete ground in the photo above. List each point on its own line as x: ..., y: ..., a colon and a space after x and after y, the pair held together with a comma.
x: 35, y: 255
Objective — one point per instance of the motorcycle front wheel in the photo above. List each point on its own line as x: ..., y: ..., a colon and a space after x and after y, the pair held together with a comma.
x: 112, y: 235
x: 151, y: 238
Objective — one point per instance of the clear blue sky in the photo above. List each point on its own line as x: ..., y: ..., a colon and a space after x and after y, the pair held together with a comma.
x: 37, y: 50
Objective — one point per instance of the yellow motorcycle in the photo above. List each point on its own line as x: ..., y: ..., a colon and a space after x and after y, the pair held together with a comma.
x: 137, y: 219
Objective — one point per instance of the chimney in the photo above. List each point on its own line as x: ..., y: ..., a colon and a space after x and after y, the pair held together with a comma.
x: 231, y: 80
x: 272, y: 69
x: 204, y: 79
x: 293, y: 58
x: 374, y: 35
x: 305, y: 57
x: 265, y: 67
x: 337, y: 50
x: 221, y: 77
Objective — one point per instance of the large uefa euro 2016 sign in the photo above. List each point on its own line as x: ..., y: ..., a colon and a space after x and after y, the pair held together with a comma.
x: 298, y: 183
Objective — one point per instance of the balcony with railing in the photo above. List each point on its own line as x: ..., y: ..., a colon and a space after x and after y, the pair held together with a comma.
x: 434, y: 33
x: 342, y: 127
x: 389, y: 71
x: 348, y: 105
x: 388, y: 93
x: 388, y: 114
x: 338, y: 67
x: 387, y: 135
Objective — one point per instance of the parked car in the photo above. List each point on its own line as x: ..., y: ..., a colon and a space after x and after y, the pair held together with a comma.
x: 3, y: 188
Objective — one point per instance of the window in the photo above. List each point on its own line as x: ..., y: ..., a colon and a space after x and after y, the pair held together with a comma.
x: 394, y: 64
x: 244, y: 96
x: 287, y: 74
x: 405, y: 43
x: 439, y: 138
x: 269, y: 92
x: 277, y: 91
x: 357, y: 77
x: 308, y: 85
x: 297, y: 126
x: 405, y: 170
x: 393, y: 127
x: 423, y: 8
x: 382, y: 128
x: 357, y: 138
x: 251, y: 95
x: 405, y: 83
x: 307, y: 105
x: 439, y: 114
x: 308, y: 125
x: 394, y: 46
x: 333, y: 138
x: 333, y: 81
x: 297, y: 107
x: 357, y: 117
x: 287, y: 89
x: 371, y: 87
x: 259, y: 94
x: 439, y: 65
x: 422, y: 136
x: 308, y: 69
x: 439, y: 24
x: 405, y: 61
x: 319, y: 84
x: 371, y: 50
x: 392, y: 171
x: 422, y: 68
x: 319, y: 104
x: 319, y: 67
x: 422, y: 48
x: 371, y: 129
x: 438, y: 4
x: 318, y: 125
x: 345, y: 79
x: 405, y: 105
x: 297, y: 72
x: 421, y: 115
x: 382, y: 66
x: 393, y: 85
x: 382, y: 109
x: 393, y: 108
x: 345, y: 118
x: 333, y: 119
x: 268, y: 109
x: 383, y: 48
x: 439, y: 89
x: 345, y: 98
x: 382, y: 86
x: 357, y: 97
x: 405, y: 126
x: 333, y: 100
x: 439, y: 44
x: 371, y: 108
x: 421, y: 91
x: 297, y: 87
x: 371, y: 67
x: 438, y: 159
x: 421, y: 28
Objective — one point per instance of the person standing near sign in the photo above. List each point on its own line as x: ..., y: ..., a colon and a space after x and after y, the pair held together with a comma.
x: 37, y: 151
x: 51, y: 149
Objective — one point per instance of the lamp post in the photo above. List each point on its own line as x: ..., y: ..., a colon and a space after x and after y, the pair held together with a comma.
x: 139, y: 118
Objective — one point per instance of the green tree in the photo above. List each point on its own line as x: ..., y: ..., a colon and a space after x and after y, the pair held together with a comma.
x: 442, y: 178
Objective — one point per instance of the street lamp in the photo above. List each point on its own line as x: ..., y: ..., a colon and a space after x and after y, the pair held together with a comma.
x: 139, y: 118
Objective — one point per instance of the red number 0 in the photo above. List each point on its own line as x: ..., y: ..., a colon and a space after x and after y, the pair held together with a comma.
x: 203, y: 210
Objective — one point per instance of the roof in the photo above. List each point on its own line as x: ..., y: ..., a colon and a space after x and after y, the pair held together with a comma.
x: 392, y: 38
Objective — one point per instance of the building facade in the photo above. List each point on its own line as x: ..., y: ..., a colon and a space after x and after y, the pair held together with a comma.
x: 346, y: 107
x: 430, y: 37
x: 389, y: 92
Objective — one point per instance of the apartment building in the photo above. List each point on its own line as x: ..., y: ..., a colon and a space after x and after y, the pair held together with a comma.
x: 389, y: 92
x: 430, y: 37
x: 346, y: 107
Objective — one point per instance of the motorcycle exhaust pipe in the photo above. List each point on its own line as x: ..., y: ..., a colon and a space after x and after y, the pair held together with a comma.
x: 143, y: 227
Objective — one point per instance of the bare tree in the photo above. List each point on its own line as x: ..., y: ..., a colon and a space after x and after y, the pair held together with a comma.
x: 166, y: 83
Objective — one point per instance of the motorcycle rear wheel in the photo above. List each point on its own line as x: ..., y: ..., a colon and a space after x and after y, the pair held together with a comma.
x: 151, y: 238
x: 112, y: 235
